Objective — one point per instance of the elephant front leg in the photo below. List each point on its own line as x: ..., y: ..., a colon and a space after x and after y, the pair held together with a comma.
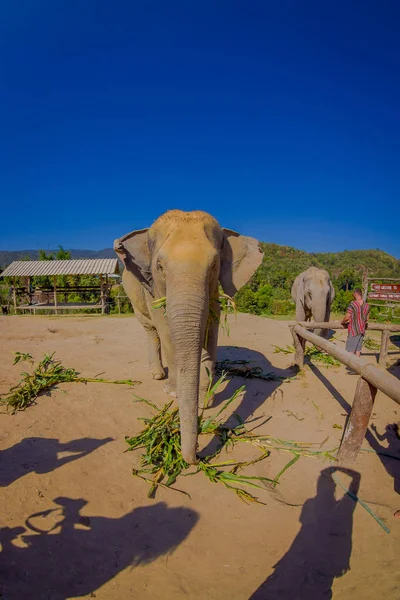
x: 208, y: 359
x: 170, y: 386
x: 154, y: 348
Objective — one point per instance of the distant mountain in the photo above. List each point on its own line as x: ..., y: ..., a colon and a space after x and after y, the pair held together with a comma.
x: 7, y: 257
x: 280, y: 264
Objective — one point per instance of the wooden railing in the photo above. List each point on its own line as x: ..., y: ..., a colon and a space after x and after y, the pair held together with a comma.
x: 372, y: 378
x: 385, y: 329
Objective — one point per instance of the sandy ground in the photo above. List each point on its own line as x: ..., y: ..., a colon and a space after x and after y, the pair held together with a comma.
x: 76, y: 523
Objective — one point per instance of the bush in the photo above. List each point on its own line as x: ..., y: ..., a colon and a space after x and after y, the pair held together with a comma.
x: 282, y: 307
x: 246, y: 301
x: 341, y: 301
x: 124, y: 302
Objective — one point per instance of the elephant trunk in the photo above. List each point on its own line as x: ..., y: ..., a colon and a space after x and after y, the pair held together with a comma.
x: 187, y: 312
x: 321, y: 312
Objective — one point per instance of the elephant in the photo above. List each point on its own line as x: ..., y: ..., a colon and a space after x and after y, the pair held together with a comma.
x: 313, y: 293
x: 183, y: 257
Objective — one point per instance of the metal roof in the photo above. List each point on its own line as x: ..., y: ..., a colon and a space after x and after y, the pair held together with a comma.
x: 87, y: 266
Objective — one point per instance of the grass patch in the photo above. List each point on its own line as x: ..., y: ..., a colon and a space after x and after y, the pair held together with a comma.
x: 161, y: 460
x: 371, y: 344
x: 42, y: 377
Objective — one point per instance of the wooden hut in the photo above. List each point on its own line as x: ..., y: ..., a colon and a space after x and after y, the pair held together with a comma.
x: 48, y: 298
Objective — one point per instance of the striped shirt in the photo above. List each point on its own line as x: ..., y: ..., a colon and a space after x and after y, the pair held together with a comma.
x: 358, y: 317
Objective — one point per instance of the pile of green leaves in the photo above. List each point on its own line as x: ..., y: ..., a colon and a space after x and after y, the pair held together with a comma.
x: 244, y: 368
x: 161, y: 461
x: 43, y: 376
x: 371, y: 344
x: 313, y: 353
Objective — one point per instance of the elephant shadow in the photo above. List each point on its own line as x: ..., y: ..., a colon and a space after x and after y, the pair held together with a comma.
x: 40, y: 455
x: 257, y: 391
x: 321, y: 550
x: 62, y: 554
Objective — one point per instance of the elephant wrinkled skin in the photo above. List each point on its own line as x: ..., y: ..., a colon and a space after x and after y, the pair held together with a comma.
x: 313, y: 293
x: 183, y: 256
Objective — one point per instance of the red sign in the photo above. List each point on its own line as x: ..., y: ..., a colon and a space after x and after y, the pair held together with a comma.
x: 386, y: 287
x: 383, y: 296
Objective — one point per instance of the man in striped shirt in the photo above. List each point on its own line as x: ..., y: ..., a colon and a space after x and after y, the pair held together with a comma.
x: 356, y: 316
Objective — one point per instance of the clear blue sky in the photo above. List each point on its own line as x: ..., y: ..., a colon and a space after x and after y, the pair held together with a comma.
x: 282, y: 119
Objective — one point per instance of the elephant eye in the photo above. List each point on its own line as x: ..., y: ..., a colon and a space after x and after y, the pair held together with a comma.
x: 159, y: 266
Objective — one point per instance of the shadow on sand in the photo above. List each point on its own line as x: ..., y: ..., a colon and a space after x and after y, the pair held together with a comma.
x: 39, y: 455
x: 62, y: 554
x: 257, y: 390
x: 391, y: 436
x: 321, y: 550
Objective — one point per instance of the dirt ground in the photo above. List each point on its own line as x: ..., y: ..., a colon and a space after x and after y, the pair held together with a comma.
x: 75, y: 523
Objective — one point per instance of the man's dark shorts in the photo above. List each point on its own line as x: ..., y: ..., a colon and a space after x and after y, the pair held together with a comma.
x: 354, y: 343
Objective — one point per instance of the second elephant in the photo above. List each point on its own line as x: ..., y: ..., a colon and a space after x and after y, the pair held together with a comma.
x: 313, y: 293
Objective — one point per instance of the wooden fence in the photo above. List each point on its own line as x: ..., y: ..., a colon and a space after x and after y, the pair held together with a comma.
x: 372, y: 378
x: 386, y: 330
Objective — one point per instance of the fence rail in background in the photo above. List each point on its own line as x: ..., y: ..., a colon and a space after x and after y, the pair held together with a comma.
x: 386, y: 330
x: 372, y: 378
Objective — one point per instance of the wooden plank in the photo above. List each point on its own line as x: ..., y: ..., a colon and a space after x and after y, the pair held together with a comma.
x: 388, y: 383
x: 357, y: 424
x: 385, y: 287
x: 384, y: 348
x: 384, y: 296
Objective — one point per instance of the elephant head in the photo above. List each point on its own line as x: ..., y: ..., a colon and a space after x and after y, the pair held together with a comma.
x: 182, y: 257
x: 313, y: 293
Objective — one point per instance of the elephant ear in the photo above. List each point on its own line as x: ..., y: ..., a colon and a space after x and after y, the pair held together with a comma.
x: 134, y: 251
x: 297, y: 290
x: 240, y: 258
x: 298, y: 296
x: 332, y: 291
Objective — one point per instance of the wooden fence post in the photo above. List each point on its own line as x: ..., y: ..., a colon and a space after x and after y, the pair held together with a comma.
x: 384, y: 348
x: 299, y: 346
x: 357, y: 424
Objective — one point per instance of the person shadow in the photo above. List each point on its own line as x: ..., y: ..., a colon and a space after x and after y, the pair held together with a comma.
x: 62, y: 554
x: 388, y: 454
x: 257, y: 391
x: 390, y: 463
x: 40, y: 455
x: 321, y: 550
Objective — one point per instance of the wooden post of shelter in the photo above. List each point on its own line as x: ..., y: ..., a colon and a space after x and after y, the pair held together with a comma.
x: 55, y: 295
x: 102, y: 295
x: 107, y: 298
x: 384, y: 348
x: 15, y: 295
x: 357, y: 424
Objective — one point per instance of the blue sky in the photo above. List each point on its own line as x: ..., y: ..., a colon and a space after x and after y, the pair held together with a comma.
x: 281, y: 119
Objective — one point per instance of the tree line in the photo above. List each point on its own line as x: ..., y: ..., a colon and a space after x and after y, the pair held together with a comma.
x: 268, y: 292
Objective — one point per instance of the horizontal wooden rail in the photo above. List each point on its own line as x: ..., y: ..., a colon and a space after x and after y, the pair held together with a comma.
x: 385, y: 328
x: 371, y: 379
x: 338, y: 325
